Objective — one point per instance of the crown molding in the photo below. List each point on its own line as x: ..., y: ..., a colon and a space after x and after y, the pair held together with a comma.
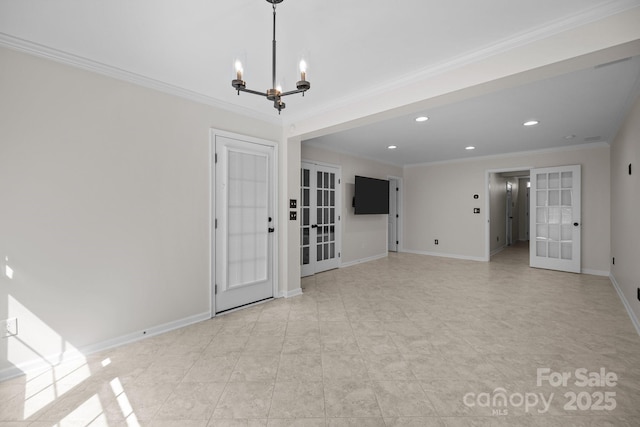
x: 42, y: 51
x: 574, y: 147
x: 524, y: 38
x: 320, y: 146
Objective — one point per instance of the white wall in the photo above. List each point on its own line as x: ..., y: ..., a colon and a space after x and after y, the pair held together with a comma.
x: 439, y: 202
x: 625, y: 205
x: 104, y: 195
x: 363, y: 236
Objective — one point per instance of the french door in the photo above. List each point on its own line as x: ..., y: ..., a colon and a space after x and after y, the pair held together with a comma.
x: 244, y: 222
x: 320, y: 231
x: 555, y: 218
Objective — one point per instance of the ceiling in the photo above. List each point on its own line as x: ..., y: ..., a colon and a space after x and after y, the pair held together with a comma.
x: 585, y: 106
x: 353, y: 48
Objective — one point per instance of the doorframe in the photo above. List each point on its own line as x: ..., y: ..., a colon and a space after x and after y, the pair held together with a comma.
x: 400, y: 210
x: 339, y: 207
x: 509, y: 207
x: 213, y: 132
x: 487, y: 205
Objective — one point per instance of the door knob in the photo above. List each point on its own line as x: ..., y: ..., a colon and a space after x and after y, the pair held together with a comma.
x: 314, y: 226
x: 271, y: 230
x: 575, y: 224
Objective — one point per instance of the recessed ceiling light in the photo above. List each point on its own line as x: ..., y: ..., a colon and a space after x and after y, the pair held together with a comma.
x: 392, y: 147
x: 531, y: 123
x: 422, y: 119
x: 471, y: 147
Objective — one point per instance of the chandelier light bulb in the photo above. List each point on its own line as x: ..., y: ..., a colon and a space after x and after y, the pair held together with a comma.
x: 239, y: 70
x: 303, y: 70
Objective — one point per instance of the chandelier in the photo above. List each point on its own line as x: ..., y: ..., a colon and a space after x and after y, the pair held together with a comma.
x: 274, y: 94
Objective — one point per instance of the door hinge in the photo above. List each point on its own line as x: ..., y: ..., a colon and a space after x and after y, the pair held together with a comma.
x: 397, y: 242
x: 338, y: 217
x: 397, y: 189
x: 216, y: 223
x: 216, y: 158
x: 215, y: 290
x: 338, y: 254
x: 397, y: 216
x: 338, y: 180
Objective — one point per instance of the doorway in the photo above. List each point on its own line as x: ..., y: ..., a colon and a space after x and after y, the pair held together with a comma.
x: 508, y: 211
x: 244, y: 220
x: 320, y: 225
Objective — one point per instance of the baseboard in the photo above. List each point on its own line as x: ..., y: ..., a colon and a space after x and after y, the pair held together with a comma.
x: 290, y: 294
x: 443, y: 255
x: 626, y: 304
x: 45, y: 363
x: 595, y: 272
x: 497, y: 251
x: 360, y: 261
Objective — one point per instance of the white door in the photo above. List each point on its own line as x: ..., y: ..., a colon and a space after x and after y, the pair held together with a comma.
x: 244, y: 222
x: 393, y: 214
x: 320, y: 223
x: 555, y: 218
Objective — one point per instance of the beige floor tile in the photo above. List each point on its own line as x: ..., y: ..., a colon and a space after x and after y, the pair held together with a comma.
x: 297, y: 400
x: 212, y: 369
x: 245, y: 400
x: 379, y: 344
x: 352, y: 349
x: 302, y: 344
x: 302, y: 327
x: 237, y: 423
x: 355, y: 422
x: 402, y: 399
x: 338, y: 366
x: 414, y: 422
x: 191, y: 401
x: 262, y: 344
x: 261, y: 368
x: 300, y: 367
x: 388, y: 367
x: 346, y: 344
x: 297, y: 422
x: 350, y: 399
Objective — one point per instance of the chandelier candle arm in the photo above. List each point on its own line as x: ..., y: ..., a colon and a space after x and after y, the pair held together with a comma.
x: 274, y: 94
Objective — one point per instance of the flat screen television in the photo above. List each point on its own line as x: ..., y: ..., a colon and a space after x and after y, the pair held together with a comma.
x: 371, y: 196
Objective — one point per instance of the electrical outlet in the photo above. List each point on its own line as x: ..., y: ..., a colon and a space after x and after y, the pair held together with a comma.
x: 638, y: 294
x: 10, y: 327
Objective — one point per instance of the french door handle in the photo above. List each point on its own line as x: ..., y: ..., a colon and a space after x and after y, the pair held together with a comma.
x: 314, y: 226
x: 271, y: 229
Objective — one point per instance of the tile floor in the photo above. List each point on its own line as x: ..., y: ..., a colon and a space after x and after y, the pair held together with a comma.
x: 405, y: 341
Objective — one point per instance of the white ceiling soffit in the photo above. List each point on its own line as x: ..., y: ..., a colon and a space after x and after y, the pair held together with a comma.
x: 581, y: 107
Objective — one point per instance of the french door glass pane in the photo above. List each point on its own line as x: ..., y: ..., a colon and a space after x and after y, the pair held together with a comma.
x: 554, y: 215
x: 247, y: 219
